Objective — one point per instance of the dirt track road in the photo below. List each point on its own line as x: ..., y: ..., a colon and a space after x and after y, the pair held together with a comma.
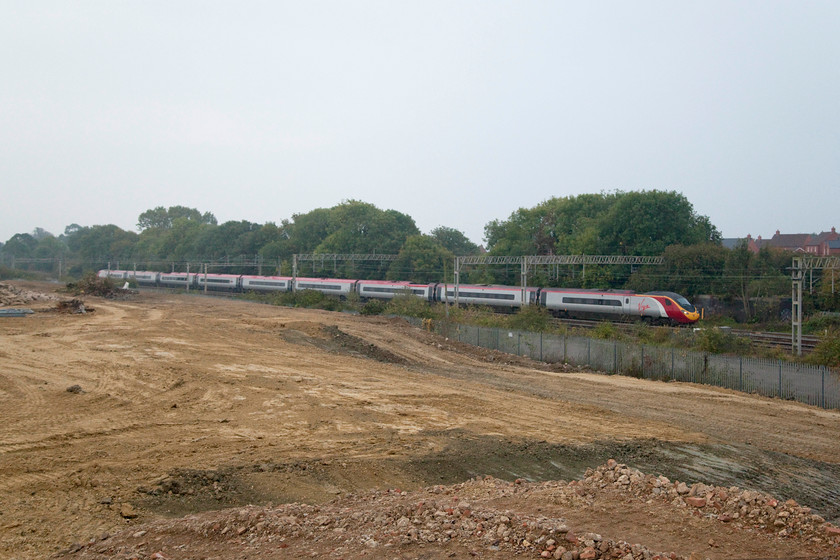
x: 190, y: 403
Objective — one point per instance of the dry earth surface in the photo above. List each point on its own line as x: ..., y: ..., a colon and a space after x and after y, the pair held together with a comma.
x: 175, y: 426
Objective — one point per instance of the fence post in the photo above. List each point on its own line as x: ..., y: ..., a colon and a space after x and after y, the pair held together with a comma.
x: 822, y: 391
x: 780, y: 378
x: 589, y: 351
x: 740, y: 373
x: 564, y: 349
x: 478, y: 336
x: 541, y: 350
x: 672, y: 364
x: 643, y: 361
x: 615, y: 356
x: 519, y: 344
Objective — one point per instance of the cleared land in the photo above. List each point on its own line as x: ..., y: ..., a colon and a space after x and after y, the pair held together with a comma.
x: 186, y: 404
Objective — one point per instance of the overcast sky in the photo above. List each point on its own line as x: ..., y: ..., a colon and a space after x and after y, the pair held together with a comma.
x: 454, y: 112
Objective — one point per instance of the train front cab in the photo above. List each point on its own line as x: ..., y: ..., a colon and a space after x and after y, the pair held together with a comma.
x: 677, y: 309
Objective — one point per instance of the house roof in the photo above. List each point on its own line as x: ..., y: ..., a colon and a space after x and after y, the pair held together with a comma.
x: 788, y: 240
x: 825, y: 236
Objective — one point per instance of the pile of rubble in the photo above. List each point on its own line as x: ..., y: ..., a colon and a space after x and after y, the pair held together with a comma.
x: 92, y: 285
x: 73, y: 306
x: 12, y: 295
x: 375, y: 522
x: 467, y: 516
x: 745, y: 508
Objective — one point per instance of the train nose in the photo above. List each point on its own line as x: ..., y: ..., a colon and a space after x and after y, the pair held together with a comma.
x: 692, y: 315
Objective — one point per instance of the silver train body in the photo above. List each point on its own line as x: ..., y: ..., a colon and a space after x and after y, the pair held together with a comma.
x: 664, y: 307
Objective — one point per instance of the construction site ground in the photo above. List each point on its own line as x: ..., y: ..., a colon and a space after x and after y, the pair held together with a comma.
x: 127, y: 429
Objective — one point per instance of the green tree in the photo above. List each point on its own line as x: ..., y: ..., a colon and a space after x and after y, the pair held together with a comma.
x: 645, y: 223
x: 180, y: 241
x: 421, y: 259
x: 360, y: 227
x: 102, y: 243
x: 633, y: 223
x: 689, y: 270
x: 306, y: 231
x: 40, y: 233
x: 164, y: 218
x: 454, y: 241
x: 20, y: 245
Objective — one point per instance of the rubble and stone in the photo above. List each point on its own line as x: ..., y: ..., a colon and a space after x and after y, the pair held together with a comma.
x: 468, y: 515
x: 11, y: 296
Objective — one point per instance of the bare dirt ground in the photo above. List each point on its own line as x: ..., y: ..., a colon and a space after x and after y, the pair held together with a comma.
x: 126, y: 432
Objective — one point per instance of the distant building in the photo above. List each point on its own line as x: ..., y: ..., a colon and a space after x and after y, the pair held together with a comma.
x: 820, y: 245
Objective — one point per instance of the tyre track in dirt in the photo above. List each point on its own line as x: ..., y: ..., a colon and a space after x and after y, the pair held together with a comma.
x: 287, y: 407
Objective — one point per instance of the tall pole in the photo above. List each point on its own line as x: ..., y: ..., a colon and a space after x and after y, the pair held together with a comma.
x: 796, y: 306
x: 445, y: 303
x: 524, y: 280
x: 457, y: 273
x: 294, y: 271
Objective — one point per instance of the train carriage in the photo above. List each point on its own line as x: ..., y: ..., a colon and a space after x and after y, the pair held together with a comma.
x: 504, y: 297
x: 673, y: 307
x: 176, y: 279
x: 145, y: 277
x: 331, y: 286
x: 586, y: 302
x: 218, y: 282
x: 658, y: 307
x: 113, y: 274
x: 266, y: 283
x: 383, y: 289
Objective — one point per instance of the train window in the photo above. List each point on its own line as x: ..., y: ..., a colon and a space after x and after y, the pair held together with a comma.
x: 319, y: 286
x: 480, y: 295
x: 667, y: 302
x: 626, y: 300
x: 593, y: 301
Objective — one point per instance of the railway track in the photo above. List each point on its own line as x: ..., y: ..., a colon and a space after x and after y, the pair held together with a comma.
x: 762, y: 339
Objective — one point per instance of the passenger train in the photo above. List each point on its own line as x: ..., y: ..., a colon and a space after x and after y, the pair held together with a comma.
x: 656, y: 307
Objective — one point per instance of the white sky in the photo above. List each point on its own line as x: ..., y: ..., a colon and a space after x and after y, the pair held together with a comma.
x: 456, y: 113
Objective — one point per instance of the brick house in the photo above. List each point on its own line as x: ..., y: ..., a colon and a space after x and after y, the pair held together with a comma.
x: 818, y: 245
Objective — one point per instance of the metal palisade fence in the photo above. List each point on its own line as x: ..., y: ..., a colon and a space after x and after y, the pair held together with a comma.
x: 814, y: 385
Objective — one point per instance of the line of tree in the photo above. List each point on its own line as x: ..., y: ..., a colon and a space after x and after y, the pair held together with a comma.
x: 617, y: 223
x: 179, y: 234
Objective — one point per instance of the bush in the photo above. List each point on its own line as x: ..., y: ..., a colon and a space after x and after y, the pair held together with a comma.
x: 606, y: 331
x: 827, y: 352
x: 373, y: 307
x: 653, y: 335
x: 821, y: 324
x: 720, y: 341
x: 531, y: 318
x: 410, y: 306
x: 7, y: 273
x: 316, y: 300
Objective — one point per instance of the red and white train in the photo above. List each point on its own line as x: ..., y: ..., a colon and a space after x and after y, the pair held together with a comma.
x: 658, y: 307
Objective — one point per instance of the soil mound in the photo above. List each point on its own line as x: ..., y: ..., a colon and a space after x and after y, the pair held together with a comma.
x: 489, y: 517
